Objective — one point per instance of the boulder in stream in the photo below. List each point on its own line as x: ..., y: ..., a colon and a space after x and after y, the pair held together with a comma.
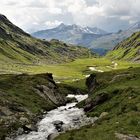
x: 58, y: 125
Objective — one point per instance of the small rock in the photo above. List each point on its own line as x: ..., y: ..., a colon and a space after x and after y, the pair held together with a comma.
x: 31, y: 127
x: 58, y: 125
x: 26, y: 129
x: 23, y: 120
x: 58, y: 122
x: 130, y: 98
x: 20, y: 131
x: 103, y: 114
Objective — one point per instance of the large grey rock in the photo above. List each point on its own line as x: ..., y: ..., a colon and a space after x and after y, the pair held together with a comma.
x: 50, y: 91
x: 91, y: 82
x: 99, y: 99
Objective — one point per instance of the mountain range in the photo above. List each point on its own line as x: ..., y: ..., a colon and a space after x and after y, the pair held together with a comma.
x: 68, y: 32
x: 73, y: 34
x: 94, y: 38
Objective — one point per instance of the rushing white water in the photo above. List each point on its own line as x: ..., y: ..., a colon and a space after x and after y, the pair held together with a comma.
x: 78, y: 97
x: 71, y: 116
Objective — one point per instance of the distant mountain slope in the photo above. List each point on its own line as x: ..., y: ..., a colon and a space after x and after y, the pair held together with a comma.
x: 97, y: 39
x: 128, y: 49
x: 18, y: 46
x: 67, y: 32
x: 108, y: 42
x: 73, y: 34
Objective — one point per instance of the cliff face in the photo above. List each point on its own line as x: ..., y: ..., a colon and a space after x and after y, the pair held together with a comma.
x: 23, y: 98
x: 91, y: 83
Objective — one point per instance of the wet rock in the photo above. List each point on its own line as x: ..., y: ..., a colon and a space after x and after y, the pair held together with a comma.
x: 58, y: 122
x: 58, y: 125
x: 26, y: 129
x: 70, y: 107
x: 52, y: 136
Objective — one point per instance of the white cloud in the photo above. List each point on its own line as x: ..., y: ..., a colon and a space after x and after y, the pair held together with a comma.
x: 51, y: 24
x: 34, y: 15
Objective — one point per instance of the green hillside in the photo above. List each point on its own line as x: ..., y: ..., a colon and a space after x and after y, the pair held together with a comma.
x: 24, y: 98
x: 128, y: 49
x: 19, y: 47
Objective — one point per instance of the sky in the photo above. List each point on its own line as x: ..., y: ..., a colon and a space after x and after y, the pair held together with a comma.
x: 34, y: 15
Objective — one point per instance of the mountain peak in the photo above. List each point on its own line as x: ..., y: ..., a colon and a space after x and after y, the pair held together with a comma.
x: 61, y: 24
x: 2, y: 17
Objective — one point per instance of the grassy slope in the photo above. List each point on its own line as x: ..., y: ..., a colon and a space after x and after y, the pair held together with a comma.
x: 127, y: 49
x: 123, y: 107
x: 16, y: 46
x: 19, y: 98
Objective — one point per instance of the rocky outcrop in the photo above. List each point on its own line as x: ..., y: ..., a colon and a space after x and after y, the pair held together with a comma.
x: 99, y: 99
x: 58, y: 125
x: 91, y: 83
x: 50, y: 91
